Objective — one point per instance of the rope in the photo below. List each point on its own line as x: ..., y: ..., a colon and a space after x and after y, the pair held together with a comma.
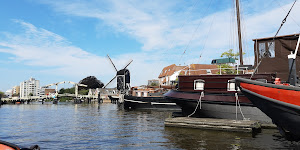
x: 283, y: 21
x: 198, y: 25
x: 237, y: 104
x: 199, y: 103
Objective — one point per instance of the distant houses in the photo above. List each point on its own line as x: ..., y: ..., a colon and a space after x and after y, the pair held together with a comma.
x: 169, y: 74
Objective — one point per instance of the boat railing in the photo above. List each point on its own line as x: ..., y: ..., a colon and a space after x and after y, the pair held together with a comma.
x: 238, y: 70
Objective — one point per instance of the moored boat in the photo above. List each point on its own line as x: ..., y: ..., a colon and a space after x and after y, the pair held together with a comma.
x: 279, y: 102
x: 215, y: 98
x: 135, y: 102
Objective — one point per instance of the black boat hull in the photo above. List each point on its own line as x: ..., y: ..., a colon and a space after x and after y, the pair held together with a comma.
x: 134, y: 102
x: 221, y: 106
x: 279, y: 102
x: 286, y: 118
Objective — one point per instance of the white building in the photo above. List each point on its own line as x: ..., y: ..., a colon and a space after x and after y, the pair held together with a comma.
x: 29, y: 86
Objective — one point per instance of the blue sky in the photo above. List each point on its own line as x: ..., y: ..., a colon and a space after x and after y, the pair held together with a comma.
x: 62, y: 40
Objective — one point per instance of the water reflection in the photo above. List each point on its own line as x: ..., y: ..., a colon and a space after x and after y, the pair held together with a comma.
x: 105, y: 126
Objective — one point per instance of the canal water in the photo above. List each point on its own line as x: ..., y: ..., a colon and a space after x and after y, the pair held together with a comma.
x: 105, y: 126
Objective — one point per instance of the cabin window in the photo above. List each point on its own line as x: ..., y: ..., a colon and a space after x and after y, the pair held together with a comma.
x: 271, y: 46
x: 266, y: 49
x: 208, y: 71
x: 262, y: 49
x: 199, y: 84
x: 231, y: 86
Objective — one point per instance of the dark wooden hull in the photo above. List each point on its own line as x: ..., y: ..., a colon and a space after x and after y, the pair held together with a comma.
x: 279, y: 102
x: 216, y: 106
x: 218, y: 101
x: 113, y: 98
x: 134, y: 102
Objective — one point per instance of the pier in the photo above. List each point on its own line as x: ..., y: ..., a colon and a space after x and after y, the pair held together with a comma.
x: 247, y: 126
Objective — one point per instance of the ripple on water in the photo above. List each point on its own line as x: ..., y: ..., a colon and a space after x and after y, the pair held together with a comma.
x: 89, y: 126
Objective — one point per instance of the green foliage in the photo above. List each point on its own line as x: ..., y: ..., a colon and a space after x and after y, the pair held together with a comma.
x: 83, y: 92
x: 30, y: 94
x: 226, y: 71
x: 154, y: 84
x: 14, y: 95
x: 1, y: 94
x: 230, y: 54
x: 61, y: 91
x: 64, y: 99
x: 68, y: 90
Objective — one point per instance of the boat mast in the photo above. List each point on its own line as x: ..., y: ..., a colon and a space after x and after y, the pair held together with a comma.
x: 239, y: 30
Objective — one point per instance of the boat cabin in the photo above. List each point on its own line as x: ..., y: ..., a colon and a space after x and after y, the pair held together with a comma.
x: 274, y: 55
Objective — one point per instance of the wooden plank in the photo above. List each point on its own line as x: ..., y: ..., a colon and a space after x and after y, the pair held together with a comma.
x: 214, y: 124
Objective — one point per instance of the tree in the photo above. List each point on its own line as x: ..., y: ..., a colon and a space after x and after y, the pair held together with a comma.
x: 92, y: 83
x: 30, y: 94
x: 61, y: 91
x: 83, y: 92
x: 226, y: 71
x: 230, y: 54
x: 1, y: 94
x: 154, y: 84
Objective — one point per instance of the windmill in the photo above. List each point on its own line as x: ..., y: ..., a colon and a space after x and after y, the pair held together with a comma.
x: 123, y: 78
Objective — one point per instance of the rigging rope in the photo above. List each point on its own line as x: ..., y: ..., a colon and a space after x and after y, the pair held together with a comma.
x: 194, y: 32
x: 237, y: 104
x: 265, y: 53
x: 199, y: 103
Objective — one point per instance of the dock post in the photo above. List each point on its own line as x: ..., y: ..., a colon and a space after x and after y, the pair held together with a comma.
x: 55, y: 101
x: 99, y: 99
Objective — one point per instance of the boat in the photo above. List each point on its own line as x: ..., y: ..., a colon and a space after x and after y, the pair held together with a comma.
x: 215, y: 96
x: 113, y: 98
x: 135, y: 102
x: 206, y: 95
x: 280, y: 102
x: 9, y: 146
x: 148, y: 98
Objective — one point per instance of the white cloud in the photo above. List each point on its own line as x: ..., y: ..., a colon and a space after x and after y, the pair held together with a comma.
x: 159, y: 25
x: 54, y: 55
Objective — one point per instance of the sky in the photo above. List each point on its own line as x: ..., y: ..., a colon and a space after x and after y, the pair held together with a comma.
x: 63, y: 40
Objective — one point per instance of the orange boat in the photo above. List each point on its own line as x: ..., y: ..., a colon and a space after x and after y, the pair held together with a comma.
x: 9, y: 146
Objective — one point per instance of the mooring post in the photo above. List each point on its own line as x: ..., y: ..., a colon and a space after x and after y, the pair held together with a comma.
x: 99, y: 98
x: 55, y: 101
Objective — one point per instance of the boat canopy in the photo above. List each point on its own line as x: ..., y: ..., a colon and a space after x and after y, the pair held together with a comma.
x: 223, y: 61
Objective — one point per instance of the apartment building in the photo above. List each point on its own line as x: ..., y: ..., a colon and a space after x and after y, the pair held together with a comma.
x: 30, y: 86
